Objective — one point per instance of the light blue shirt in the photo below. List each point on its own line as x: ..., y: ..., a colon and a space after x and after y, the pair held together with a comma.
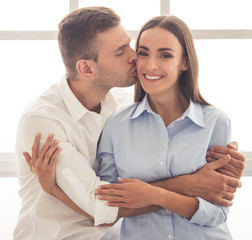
x: 135, y: 143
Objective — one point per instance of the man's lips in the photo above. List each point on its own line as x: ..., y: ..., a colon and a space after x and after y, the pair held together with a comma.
x: 134, y: 73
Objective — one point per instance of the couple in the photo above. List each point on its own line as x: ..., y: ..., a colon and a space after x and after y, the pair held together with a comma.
x: 157, y: 145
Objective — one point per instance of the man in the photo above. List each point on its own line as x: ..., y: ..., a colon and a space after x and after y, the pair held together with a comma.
x: 97, y: 56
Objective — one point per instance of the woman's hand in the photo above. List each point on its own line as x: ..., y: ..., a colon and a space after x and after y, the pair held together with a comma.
x: 128, y: 193
x: 43, y: 164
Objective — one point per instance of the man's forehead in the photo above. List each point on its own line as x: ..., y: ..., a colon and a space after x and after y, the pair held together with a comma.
x: 115, y: 37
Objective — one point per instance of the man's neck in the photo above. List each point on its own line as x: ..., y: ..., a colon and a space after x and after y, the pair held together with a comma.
x: 88, y: 96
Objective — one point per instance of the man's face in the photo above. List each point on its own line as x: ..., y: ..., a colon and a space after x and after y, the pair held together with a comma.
x: 116, y: 60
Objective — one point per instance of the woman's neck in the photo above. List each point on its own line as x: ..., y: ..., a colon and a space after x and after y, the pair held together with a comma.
x: 170, y: 106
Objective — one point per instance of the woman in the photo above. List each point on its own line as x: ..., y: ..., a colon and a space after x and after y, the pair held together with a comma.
x: 164, y: 134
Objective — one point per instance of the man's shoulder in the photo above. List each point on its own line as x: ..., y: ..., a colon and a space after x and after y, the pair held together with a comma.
x: 123, y: 96
x: 47, y: 103
x: 123, y: 115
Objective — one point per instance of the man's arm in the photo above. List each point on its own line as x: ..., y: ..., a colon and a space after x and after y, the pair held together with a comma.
x: 74, y: 174
x: 215, y: 182
x: 43, y: 165
x: 136, y: 194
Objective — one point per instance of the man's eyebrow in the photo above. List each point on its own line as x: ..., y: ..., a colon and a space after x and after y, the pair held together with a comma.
x: 121, y: 47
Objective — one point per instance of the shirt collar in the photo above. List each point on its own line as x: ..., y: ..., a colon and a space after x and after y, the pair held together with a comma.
x: 142, y: 106
x: 75, y: 107
x: 193, y: 112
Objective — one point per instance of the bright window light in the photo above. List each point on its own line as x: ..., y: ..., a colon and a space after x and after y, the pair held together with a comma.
x: 133, y: 13
x: 28, y: 15
x: 214, y: 14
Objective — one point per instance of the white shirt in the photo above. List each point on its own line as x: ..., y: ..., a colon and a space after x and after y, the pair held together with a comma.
x: 42, y: 216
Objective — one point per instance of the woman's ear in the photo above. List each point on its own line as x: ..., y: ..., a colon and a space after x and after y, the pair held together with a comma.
x: 185, y: 64
x: 85, y: 68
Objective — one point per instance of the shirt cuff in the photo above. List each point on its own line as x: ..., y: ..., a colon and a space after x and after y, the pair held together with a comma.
x: 204, y: 214
x: 104, y: 213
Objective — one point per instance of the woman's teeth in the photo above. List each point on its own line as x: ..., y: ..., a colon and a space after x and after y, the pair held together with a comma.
x: 152, y: 77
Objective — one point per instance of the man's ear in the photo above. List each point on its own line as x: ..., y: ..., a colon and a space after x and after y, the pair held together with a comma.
x: 85, y: 68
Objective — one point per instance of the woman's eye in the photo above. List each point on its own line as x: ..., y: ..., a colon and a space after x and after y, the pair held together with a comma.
x: 140, y: 53
x: 165, y: 55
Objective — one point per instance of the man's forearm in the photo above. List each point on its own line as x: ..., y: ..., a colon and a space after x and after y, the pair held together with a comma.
x: 206, y: 183
x: 131, y: 212
x: 183, y: 184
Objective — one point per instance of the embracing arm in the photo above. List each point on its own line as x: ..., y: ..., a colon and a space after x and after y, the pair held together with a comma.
x: 215, y: 182
x: 43, y: 166
x: 135, y: 194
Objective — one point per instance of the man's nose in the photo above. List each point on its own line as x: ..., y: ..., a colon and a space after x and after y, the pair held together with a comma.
x: 133, y: 56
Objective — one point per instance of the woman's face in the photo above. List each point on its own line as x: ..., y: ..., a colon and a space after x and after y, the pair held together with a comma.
x: 160, y: 61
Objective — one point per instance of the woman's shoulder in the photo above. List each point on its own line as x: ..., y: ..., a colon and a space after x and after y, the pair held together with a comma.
x: 213, y: 113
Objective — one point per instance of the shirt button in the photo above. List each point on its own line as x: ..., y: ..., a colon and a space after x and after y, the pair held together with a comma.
x: 161, y: 163
x: 165, y: 144
x: 170, y: 236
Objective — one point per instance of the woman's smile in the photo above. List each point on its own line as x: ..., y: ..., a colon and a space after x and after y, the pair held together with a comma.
x: 152, y: 77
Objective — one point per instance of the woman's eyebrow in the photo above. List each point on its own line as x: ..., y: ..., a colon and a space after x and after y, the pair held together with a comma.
x: 143, y: 47
x: 165, y: 49
x: 159, y: 50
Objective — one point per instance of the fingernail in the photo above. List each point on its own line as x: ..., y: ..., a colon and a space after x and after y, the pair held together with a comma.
x: 212, y: 148
x: 50, y: 135
x: 56, y: 142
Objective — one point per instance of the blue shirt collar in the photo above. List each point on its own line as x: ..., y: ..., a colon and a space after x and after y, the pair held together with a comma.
x: 193, y: 112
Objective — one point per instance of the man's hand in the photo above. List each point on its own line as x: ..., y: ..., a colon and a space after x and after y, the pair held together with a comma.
x: 214, y: 186
x: 43, y: 164
x: 235, y: 166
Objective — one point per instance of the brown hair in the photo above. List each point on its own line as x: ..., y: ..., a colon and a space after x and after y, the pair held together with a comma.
x: 78, y: 31
x: 189, y: 79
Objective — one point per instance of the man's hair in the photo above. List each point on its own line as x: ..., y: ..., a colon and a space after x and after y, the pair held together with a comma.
x: 77, y: 34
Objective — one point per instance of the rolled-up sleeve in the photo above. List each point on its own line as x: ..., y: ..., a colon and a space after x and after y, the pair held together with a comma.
x: 208, y: 214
